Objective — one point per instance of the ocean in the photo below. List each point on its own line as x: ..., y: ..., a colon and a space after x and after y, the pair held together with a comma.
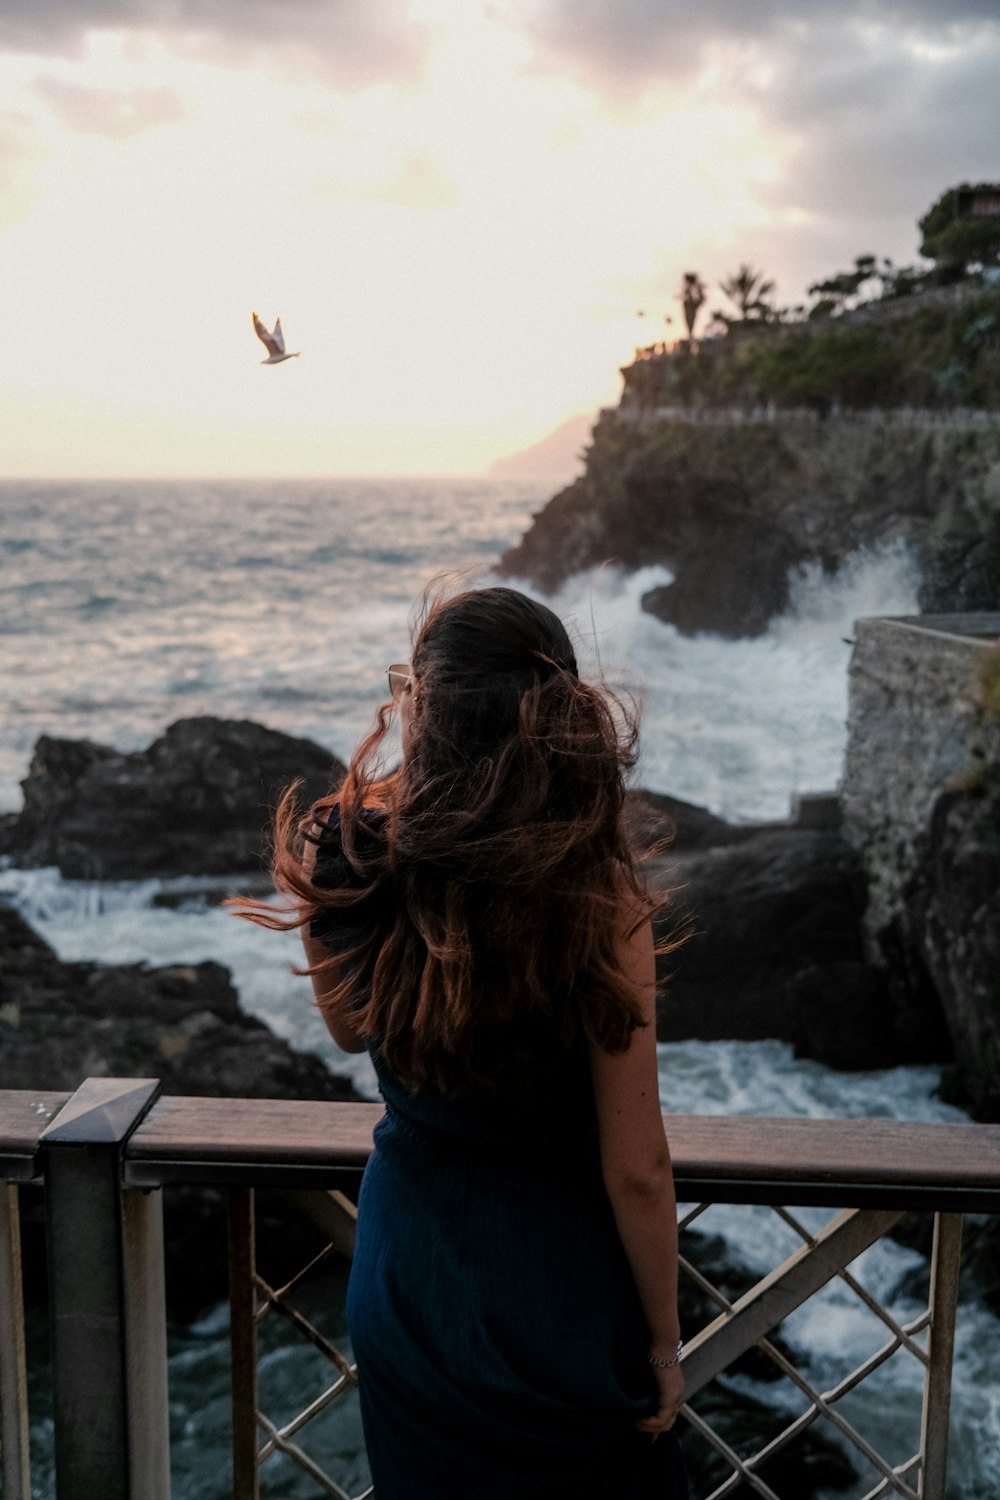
x: 125, y: 606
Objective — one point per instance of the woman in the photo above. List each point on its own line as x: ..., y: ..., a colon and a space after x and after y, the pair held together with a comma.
x: 476, y: 921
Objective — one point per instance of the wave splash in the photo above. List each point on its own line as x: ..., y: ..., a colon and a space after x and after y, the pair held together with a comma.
x: 738, y: 726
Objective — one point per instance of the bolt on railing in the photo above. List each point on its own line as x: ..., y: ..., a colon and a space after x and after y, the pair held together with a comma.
x: 114, y: 1144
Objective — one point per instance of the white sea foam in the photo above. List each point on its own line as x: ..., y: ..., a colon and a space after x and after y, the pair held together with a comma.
x: 738, y: 726
x: 117, y: 922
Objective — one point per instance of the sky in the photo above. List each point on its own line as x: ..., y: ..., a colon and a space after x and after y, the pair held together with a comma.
x: 457, y: 207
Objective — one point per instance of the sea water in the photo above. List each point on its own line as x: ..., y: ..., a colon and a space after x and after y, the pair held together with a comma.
x: 125, y: 606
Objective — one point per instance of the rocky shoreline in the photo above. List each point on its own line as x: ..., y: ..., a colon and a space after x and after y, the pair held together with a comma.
x: 774, y: 917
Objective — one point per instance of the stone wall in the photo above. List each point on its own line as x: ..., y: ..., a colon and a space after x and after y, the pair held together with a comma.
x: 915, y: 730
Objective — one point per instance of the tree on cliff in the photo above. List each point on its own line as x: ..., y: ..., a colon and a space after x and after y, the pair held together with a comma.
x: 692, y: 297
x: 844, y: 287
x: 749, y: 290
x: 959, y: 233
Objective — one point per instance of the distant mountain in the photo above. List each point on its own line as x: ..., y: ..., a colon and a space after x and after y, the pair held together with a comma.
x: 557, y: 457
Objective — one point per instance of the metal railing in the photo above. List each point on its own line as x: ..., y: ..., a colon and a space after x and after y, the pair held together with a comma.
x: 105, y: 1152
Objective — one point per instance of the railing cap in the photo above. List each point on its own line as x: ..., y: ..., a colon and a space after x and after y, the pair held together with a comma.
x: 102, y: 1112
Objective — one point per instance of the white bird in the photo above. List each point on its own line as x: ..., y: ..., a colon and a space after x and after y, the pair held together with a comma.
x: 274, y: 342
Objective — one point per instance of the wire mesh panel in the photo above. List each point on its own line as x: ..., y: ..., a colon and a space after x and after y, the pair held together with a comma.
x: 814, y: 1375
x: 802, y: 1333
x: 270, y: 1417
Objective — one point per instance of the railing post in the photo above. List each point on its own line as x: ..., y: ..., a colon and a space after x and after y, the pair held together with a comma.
x: 946, y: 1260
x: 13, y: 1377
x: 243, y: 1341
x: 106, y: 1301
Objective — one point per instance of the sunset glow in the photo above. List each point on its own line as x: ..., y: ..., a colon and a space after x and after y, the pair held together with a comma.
x: 456, y: 226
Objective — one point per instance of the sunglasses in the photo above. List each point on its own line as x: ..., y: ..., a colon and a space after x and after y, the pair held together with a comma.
x: 400, y: 675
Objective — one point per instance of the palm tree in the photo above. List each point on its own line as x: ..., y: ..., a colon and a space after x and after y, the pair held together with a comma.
x: 692, y: 294
x: 749, y: 290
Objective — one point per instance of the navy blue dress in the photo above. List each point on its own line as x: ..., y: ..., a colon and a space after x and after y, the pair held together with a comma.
x: 500, y: 1341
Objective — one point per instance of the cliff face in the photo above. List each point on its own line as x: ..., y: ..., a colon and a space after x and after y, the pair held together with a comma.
x: 729, y: 506
x: 921, y: 799
x: 733, y: 461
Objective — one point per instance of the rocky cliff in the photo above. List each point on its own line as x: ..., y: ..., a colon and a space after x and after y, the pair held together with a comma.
x: 732, y: 463
x: 730, y: 507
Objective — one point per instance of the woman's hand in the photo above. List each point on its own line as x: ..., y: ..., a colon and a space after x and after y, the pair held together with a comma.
x: 670, y: 1385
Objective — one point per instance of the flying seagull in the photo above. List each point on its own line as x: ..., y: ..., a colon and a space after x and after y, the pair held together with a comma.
x: 274, y: 342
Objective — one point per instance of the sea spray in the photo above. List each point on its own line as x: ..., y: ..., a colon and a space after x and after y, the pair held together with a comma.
x: 738, y: 726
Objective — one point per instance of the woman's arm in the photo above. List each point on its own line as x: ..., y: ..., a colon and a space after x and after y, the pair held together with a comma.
x: 635, y: 1161
x: 338, y: 1022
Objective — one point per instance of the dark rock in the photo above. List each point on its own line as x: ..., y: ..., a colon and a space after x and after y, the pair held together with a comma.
x: 776, y: 951
x: 730, y: 509
x: 844, y: 1017
x: 731, y: 568
x: 63, y: 1022
x: 980, y: 1269
x: 197, y: 802
x: 655, y: 818
x: 950, y: 930
x: 810, y: 1464
x: 565, y: 537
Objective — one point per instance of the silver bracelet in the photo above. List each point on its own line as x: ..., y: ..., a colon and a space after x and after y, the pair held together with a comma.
x: 667, y: 1364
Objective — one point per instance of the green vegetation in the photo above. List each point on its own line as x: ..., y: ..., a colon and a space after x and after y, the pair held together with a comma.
x: 877, y: 335
x: 855, y: 366
x: 927, y: 352
x: 956, y: 241
x: 748, y: 290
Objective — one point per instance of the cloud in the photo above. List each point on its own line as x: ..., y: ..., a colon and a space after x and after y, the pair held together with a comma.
x: 116, y: 113
x: 619, y: 47
x: 352, y: 42
x: 887, y: 132
x: 19, y: 153
x: 11, y: 139
x: 871, y: 108
x: 420, y: 183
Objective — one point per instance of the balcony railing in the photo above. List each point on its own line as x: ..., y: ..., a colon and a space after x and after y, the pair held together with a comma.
x: 104, y: 1153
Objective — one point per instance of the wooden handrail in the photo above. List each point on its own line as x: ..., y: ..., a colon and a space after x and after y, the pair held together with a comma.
x: 24, y: 1115
x: 726, y: 1158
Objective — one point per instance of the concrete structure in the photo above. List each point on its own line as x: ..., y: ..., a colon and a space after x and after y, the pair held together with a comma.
x: 915, y: 729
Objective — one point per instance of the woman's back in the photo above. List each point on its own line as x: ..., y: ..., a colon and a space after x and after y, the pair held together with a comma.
x: 471, y: 920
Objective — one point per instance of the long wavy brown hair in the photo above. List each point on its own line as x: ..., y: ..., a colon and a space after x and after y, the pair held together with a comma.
x: 485, y: 882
